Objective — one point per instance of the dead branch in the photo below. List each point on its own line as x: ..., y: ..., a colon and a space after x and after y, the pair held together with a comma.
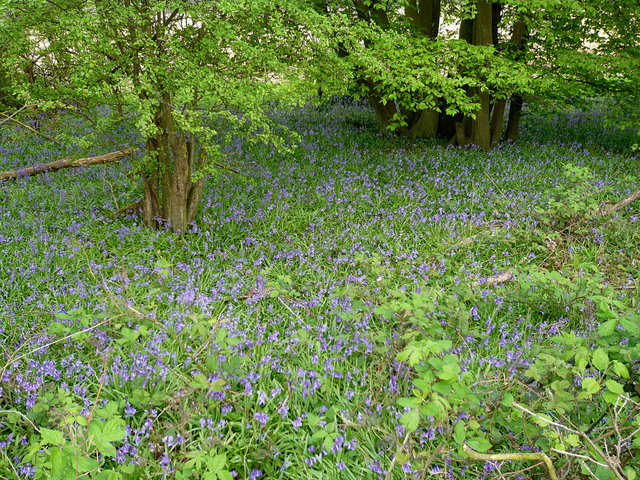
x: 112, y: 157
x: 495, y: 279
x: 621, y: 204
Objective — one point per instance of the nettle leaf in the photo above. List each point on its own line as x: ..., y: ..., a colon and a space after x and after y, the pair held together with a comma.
x: 52, y: 437
x: 411, y: 420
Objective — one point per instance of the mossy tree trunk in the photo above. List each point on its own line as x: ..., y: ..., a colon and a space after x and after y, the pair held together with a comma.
x: 171, y: 196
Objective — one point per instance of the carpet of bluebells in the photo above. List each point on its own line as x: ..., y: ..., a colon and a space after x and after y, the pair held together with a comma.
x: 257, y: 335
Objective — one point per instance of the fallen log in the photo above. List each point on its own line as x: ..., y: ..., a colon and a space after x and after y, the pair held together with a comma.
x: 112, y: 157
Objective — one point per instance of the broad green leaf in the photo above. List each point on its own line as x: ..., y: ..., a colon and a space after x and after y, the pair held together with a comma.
x: 313, y: 420
x: 590, y: 385
x: 411, y: 420
x: 620, y: 369
x: 217, y: 463
x: 85, y: 464
x: 600, y: 359
x: 459, y: 432
x: 113, y: 431
x: 607, y: 328
x: 614, y: 387
x: 51, y: 437
x: 479, y: 444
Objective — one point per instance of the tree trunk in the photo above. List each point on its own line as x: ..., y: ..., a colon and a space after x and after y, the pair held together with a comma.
x: 497, y: 118
x: 171, y: 197
x: 515, y: 113
x: 427, y: 124
x: 515, y: 46
x: 480, y: 126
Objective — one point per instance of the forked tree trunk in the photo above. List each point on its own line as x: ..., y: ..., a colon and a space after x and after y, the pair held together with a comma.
x: 171, y: 197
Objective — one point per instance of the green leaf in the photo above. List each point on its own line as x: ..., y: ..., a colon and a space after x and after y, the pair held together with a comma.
x: 590, y: 385
x: 328, y: 443
x: 51, y: 437
x: 105, y: 448
x: 313, y: 420
x: 113, y: 431
x: 479, y: 444
x: 225, y: 475
x: 620, y: 369
x: 600, y: 359
x: 411, y: 420
x: 606, y: 329
x: 614, y: 387
x: 459, y: 432
x: 409, y: 402
x: 85, y: 464
x: 217, y: 463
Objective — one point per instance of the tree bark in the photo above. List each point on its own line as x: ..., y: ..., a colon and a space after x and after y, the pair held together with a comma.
x: 171, y: 197
x: 480, y: 126
x: 113, y: 157
x: 515, y: 113
x: 514, y: 46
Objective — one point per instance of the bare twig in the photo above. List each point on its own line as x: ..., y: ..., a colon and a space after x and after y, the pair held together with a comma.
x: 395, y: 457
x: 24, y: 125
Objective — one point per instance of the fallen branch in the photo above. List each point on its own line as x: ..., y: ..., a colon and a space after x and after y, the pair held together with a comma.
x: 621, y: 204
x: 527, y: 457
x: 112, y: 157
x: 495, y: 279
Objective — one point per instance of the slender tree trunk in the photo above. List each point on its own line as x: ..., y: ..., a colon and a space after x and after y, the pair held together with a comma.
x: 480, y: 126
x: 515, y: 46
x: 515, y: 113
x: 497, y: 118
